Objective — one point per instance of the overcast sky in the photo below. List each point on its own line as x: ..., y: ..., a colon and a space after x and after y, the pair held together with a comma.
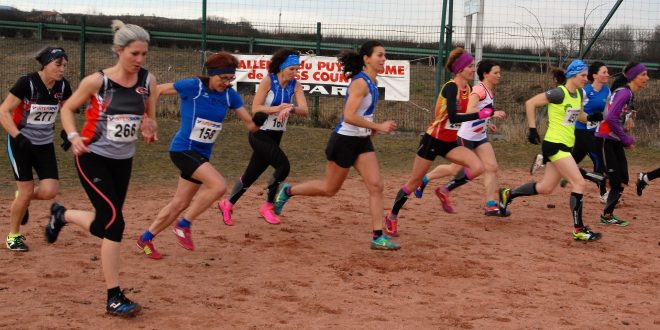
x: 638, y: 13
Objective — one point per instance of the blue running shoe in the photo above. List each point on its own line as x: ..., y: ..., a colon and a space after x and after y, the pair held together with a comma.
x: 281, y: 198
x: 384, y: 243
x: 119, y: 305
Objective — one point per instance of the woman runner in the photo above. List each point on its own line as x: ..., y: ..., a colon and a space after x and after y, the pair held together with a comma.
x: 122, y: 101
x: 274, y: 97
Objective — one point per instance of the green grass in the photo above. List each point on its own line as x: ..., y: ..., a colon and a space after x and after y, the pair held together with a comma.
x: 305, y: 148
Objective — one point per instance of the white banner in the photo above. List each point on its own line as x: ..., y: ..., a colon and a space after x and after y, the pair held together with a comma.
x: 321, y: 75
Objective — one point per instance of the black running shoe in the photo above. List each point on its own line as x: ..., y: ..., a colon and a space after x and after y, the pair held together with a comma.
x: 121, y: 306
x: 55, y: 223
x: 641, y: 183
x: 17, y: 244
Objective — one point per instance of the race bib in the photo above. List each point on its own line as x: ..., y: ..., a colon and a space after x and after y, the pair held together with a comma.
x: 205, y: 131
x: 123, y: 128
x: 571, y: 116
x: 42, y: 114
x: 273, y: 124
x: 363, y: 131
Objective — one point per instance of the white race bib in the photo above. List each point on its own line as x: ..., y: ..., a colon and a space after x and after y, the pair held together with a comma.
x: 123, y: 128
x: 571, y: 116
x: 363, y: 131
x: 42, y: 114
x: 205, y: 131
x: 273, y: 124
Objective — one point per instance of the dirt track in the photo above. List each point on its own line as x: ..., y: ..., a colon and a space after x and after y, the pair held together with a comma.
x: 316, y: 270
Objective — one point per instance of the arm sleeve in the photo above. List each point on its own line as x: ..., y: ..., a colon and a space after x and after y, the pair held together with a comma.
x: 450, y: 92
x: 21, y: 88
x: 555, y: 95
x: 235, y: 99
x: 614, y: 112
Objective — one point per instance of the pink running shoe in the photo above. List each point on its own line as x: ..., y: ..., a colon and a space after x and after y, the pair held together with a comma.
x: 226, y: 208
x: 443, y: 195
x: 183, y: 237
x: 391, y: 226
x: 149, y: 249
x: 266, y: 211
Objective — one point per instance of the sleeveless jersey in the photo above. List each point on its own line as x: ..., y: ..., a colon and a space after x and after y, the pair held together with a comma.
x: 595, y: 101
x: 366, y: 109
x: 202, y: 112
x: 476, y: 130
x: 114, y: 117
x: 276, y: 96
x: 604, y: 128
x: 562, y: 118
x: 35, y: 116
x: 441, y: 128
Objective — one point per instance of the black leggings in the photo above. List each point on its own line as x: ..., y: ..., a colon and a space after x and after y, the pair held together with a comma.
x: 266, y: 152
x: 586, y: 144
x: 616, y: 166
x: 106, y: 182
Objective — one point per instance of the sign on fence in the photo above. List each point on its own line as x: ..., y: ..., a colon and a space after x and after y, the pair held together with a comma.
x: 321, y: 75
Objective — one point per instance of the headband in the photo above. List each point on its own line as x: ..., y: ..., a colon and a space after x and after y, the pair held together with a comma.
x: 633, y: 72
x: 461, y: 62
x: 52, y: 55
x: 575, y: 67
x: 290, y: 60
x: 223, y: 70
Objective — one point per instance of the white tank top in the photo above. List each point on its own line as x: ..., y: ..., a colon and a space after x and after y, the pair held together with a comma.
x: 476, y: 130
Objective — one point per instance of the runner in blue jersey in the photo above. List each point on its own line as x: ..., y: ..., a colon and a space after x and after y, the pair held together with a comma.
x: 350, y: 142
x: 205, y: 102
x: 596, y: 95
x: 274, y: 102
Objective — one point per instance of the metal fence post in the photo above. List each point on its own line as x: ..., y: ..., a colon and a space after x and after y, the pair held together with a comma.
x: 83, y: 31
x: 315, y: 111
x: 441, y: 50
x: 203, y: 36
x: 40, y: 31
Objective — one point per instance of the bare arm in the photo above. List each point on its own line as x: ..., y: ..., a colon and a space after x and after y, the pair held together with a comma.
x: 356, y: 93
x: 301, y: 102
x: 88, y: 87
x: 530, y: 108
x: 165, y: 89
x: 243, y: 114
x: 10, y: 103
x: 149, y: 126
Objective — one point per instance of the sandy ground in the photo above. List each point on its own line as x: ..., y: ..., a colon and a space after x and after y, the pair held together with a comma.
x: 316, y: 270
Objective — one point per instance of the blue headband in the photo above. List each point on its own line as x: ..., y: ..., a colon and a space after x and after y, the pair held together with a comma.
x: 224, y: 70
x: 290, y: 60
x: 575, y: 67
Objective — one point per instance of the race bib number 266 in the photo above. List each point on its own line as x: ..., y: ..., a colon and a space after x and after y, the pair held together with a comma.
x: 123, y: 128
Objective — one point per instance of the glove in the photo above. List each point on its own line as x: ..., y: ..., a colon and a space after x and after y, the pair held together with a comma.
x: 22, y: 142
x: 533, y: 136
x: 66, y: 144
x: 596, y: 116
x: 485, y: 113
x: 627, y: 140
x: 259, y: 118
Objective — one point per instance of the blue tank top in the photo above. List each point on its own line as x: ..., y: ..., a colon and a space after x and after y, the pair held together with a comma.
x: 202, y: 112
x: 595, y: 101
x: 366, y: 109
x: 276, y: 96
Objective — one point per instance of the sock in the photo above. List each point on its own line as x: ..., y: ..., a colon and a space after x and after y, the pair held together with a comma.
x: 113, y: 292
x: 576, y: 210
x: 183, y: 223
x: 238, y: 191
x: 377, y: 233
x: 400, y: 199
x: 271, y: 190
x: 147, y: 236
x: 527, y: 189
x: 425, y: 181
x: 460, y: 179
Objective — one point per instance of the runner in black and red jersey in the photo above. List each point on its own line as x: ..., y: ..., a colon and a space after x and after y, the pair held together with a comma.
x: 28, y: 114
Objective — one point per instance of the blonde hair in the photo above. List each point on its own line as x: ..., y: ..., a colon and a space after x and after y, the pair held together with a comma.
x: 124, y: 34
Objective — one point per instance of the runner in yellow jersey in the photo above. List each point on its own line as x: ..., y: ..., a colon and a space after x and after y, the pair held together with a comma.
x: 564, y: 109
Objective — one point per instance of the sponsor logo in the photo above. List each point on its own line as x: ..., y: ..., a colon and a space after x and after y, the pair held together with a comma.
x: 141, y: 90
